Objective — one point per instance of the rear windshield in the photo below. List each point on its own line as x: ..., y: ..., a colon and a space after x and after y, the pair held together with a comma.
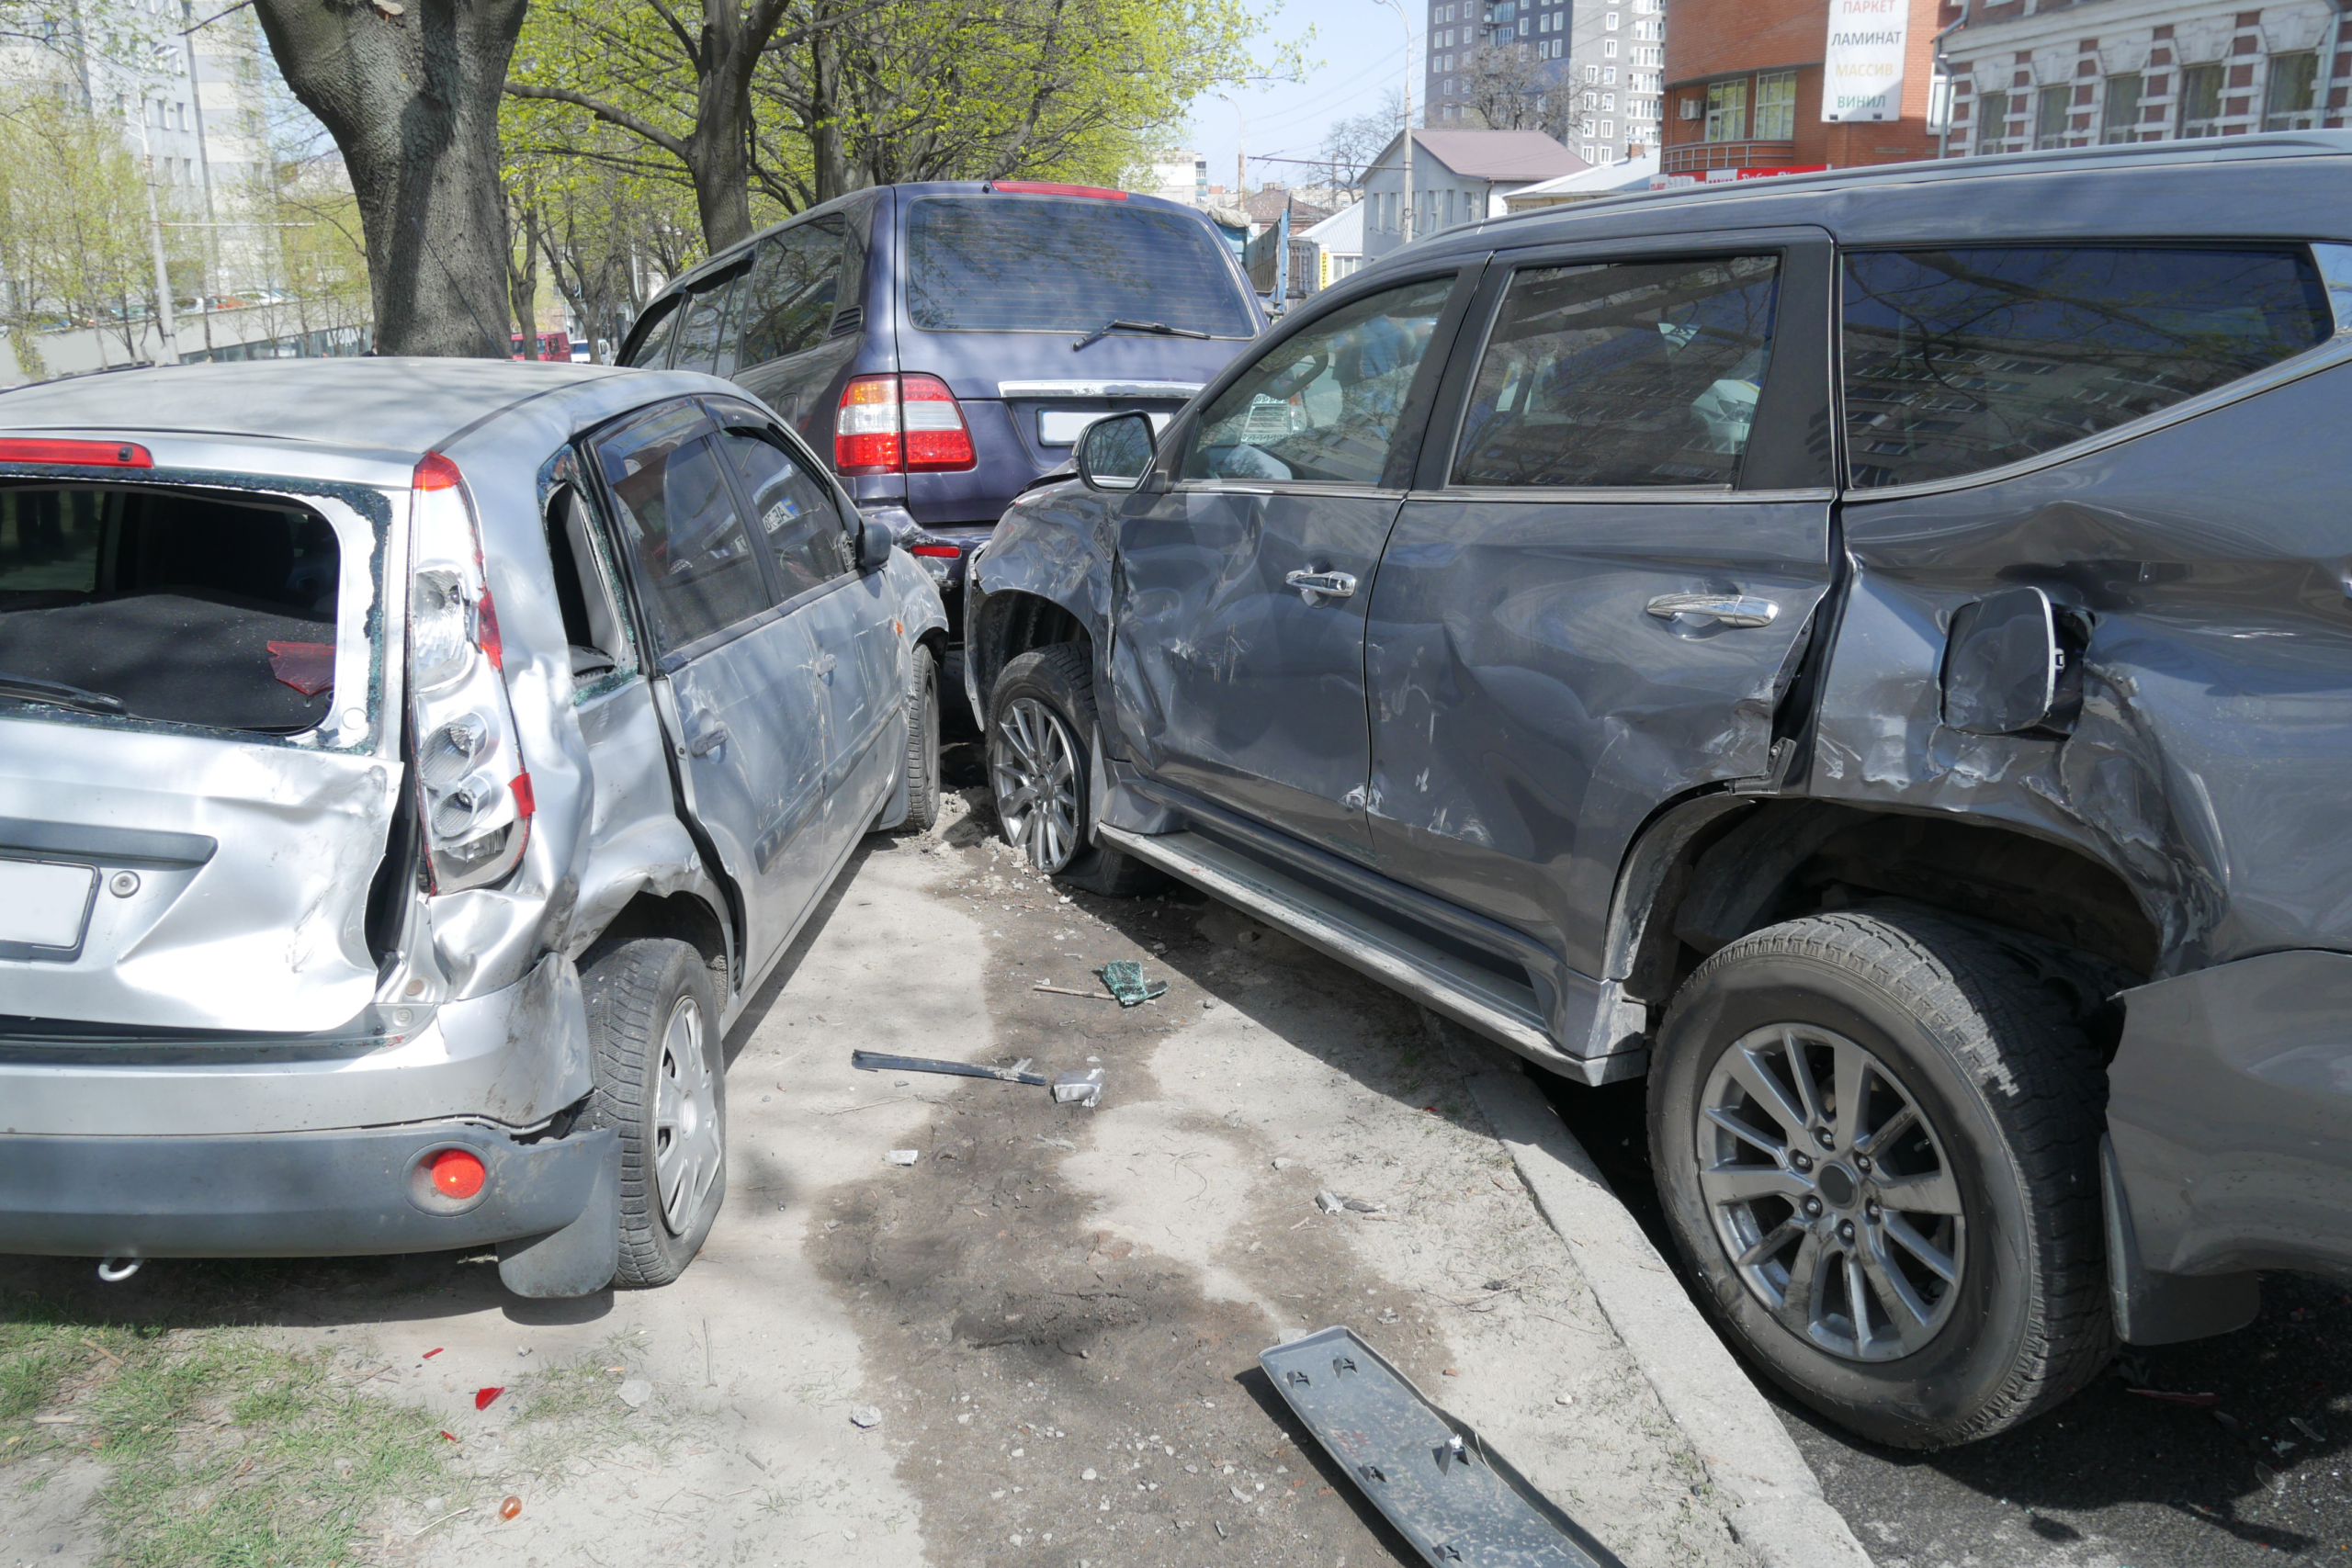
x: 163, y: 606
x: 1042, y: 264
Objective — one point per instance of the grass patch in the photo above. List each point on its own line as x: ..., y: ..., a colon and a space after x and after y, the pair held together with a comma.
x: 224, y: 1451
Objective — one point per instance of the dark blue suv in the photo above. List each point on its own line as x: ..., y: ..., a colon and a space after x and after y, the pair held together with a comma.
x: 946, y: 342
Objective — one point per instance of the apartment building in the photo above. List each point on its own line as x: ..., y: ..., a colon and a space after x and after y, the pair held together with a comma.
x: 2040, y: 74
x: 1457, y: 29
x: 1617, y: 55
x: 1755, y: 85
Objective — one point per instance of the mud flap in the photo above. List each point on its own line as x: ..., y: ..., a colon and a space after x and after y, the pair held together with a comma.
x: 1449, y: 1493
x: 579, y: 1259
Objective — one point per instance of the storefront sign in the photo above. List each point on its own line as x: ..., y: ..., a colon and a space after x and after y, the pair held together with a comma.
x: 1861, y: 73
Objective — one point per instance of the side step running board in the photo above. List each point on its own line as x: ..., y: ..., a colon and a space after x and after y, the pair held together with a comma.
x: 1461, y: 990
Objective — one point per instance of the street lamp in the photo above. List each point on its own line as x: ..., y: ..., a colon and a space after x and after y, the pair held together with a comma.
x: 1240, y: 150
x: 1405, y: 218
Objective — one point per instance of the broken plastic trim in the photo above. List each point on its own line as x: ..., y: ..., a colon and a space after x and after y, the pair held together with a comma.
x: 1449, y: 1493
x: 876, y: 1062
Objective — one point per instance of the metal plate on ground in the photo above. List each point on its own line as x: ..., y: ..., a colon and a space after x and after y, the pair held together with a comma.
x: 45, y: 904
x: 1455, y: 1499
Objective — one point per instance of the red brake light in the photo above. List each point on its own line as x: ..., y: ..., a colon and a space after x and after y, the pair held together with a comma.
x: 937, y: 438
x: 866, y: 428
x: 1048, y: 187
x: 78, y: 454
x: 458, y: 1173
x: 434, y: 471
x: 950, y: 551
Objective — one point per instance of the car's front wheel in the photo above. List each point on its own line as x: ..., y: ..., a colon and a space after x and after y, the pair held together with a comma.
x: 1876, y: 1135
x: 1040, y: 717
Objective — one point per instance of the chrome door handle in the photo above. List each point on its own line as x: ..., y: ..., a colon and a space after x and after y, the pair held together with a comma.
x: 709, y: 741
x: 1316, y: 586
x: 1725, y: 609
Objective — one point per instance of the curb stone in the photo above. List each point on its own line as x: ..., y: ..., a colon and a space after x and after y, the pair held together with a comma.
x: 1776, y: 1500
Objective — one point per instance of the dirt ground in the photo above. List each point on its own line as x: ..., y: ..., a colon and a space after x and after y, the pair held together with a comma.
x: 1035, y: 1345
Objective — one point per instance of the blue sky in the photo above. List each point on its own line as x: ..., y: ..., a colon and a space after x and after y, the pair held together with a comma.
x: 1356, y: 55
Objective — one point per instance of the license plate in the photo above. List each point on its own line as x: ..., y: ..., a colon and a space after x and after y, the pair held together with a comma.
x: 1062, y: 427
x: 44, y: 903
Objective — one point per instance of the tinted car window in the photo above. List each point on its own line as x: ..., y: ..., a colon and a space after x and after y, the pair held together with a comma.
x: 1634, y: 373
x: 1957, y: 361
x: 1028, y: 263
x: 1325, y: 404
x: 787, y: 303
x: 652, y: 350
x: 678, y: 520
x: 794, y: 509
x: 704, y: 342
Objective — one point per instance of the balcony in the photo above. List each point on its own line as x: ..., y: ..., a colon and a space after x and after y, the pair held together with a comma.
x: 1691, y: 157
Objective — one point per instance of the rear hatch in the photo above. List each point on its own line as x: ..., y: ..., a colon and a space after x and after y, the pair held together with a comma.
x: 197, y: 780
x: 1044, y: 309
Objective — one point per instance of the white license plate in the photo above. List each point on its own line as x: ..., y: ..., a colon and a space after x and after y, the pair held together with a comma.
x: 44, y: 904
x: 1062, y: 427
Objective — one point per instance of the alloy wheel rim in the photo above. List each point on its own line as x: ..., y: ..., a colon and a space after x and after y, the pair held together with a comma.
x: 1830, y: 1194
x: 1032, y: 764
x: 686, y: 1150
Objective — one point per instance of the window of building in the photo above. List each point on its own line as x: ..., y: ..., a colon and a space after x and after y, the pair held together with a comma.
x: 1608, y: 101
x: 1589, y: 153
x: 2200, y: 101
x: 1609, y: 74
x: 1637, y: 373
x: 1992, y: 123
x: 1608, y: 48
x: 1592, y: 73
x: 2289, y: 103
x: 1608, y: 24
x: 2051, y: 107
x: 1727, y: 110
x: 1959, y: 361
x: 2119, y: 114
x: 1776, y: 106
x: 1607, y: 130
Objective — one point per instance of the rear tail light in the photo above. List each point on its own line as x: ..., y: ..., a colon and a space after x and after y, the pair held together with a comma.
x: 896, y: 424
x: 472, y: 790
x: 458, y: 1173
x: 950, y: 551
x: 78, y: 454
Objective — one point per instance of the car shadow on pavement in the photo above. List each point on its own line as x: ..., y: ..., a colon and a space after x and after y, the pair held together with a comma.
x: 2217, y: 1451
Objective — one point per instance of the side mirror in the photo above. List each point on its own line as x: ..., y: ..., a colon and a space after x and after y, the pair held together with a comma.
x: 1115, y: 453
x: 2005, y: 666
x: 873, y: 542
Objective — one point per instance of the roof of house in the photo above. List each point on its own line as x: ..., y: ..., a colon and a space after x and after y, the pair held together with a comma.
x: 1499, y: 155
x: 1266, y: 206
x: 1600, y: 179
x: 1343, y: 232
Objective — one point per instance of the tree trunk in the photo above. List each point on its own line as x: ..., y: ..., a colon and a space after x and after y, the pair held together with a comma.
x: 409, y: 93
x: 522, y: 285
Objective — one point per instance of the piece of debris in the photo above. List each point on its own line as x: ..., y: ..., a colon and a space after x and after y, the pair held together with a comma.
x: 635, y: 1393
x: 1209, y: 1004
x: 483, y: 1396
x: 511, y: 1508
x: 430, y: 1354
x: 2169, y: 1397
x: 1438, y: 1481
x: 1366, y: 1205
x: 1330, y: 1202
x: 1124, y: 978
x: 902, y: 1157
x: 1078, y: 1089
x: 2306, y: 1428
x: 1281, y: 1164
x: 865, y: 1416
x: 1067, y: 991
x: 1056, y: 1143
x: 876, y: 1062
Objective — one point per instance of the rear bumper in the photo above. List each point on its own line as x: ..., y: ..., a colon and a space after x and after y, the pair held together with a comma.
x: 2230, y: 1123
x: 343, y: 1193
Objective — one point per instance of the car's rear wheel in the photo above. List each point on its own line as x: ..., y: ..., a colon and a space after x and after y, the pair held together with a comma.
x: 660, y: 1079
x: 1876, y: 1135
x: 1040, y: 717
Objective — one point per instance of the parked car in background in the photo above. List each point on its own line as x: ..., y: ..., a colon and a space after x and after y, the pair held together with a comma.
x: 943, y: 344
x: 1869, y: 653
x: 408, y: 770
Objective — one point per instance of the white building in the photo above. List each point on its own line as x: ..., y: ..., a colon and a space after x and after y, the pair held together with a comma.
x: 1177, y: 177
x: 1459, y: 176
x: 2039, y: 74
x: 1625, y: 176
x: 1339, y: 242
x: 1617, y: 60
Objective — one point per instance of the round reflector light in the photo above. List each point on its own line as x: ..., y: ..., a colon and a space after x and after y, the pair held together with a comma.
x: 458, y: 1173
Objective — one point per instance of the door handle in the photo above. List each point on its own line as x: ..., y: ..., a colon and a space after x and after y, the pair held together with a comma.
x: 823, y: 666
x: 709, y: 741
x: 1316, y: 586
x: 1725, y: 609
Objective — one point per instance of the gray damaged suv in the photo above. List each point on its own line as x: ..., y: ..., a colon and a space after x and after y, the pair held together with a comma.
x: 408, y: 769
x: 1869, y: 654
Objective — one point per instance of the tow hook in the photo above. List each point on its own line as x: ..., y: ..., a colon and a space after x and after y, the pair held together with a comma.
x: 117, y: 1267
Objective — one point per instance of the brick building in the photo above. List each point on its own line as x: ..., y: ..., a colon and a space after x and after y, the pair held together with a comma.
x: 1744, y: 85
x: 2038, y: 74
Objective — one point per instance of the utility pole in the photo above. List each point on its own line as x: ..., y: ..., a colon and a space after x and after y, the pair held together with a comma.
x: 170, y: 352
x: 204, y: 165
x: 1241, y: 153
x: 1406, y: 207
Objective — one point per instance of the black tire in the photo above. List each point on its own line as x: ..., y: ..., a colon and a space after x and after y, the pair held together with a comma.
x: 636, y: 991
x: 922, y: 746
x: 1057, y: 680
x: 1967, y: 1030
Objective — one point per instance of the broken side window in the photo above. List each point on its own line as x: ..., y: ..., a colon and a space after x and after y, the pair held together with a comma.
x: 1957, y: 361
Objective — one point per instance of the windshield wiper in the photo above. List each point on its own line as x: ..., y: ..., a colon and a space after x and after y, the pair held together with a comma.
x: 56, y: 694
x: 1120, y: 324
